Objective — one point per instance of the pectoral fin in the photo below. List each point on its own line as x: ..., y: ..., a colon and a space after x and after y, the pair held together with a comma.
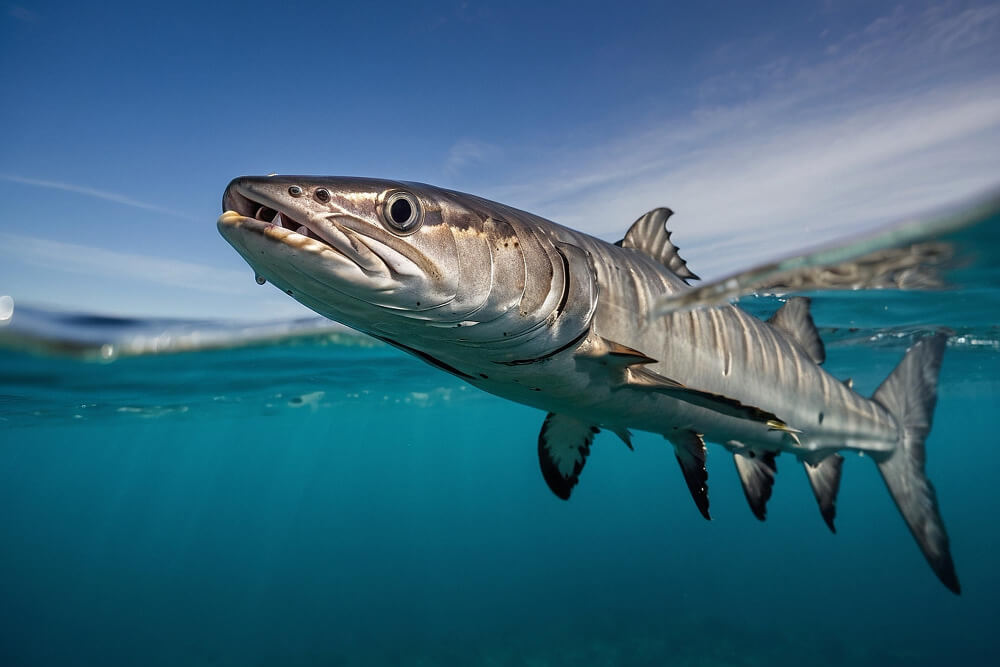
x: 757, y: 473
x: 601, y: 352
x: 646, y: 379
x: 690, y: 450
x: 563, y: 447
x: 622, y: 367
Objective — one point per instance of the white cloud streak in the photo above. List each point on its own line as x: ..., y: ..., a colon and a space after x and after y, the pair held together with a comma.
x: 468, y: 152
x: 22, y: 13
x: 900, y: 117
x: 124, y: 267
x: 95, y: 193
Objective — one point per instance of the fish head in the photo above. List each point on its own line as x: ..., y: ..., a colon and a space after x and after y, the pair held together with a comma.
x: 374, y: 254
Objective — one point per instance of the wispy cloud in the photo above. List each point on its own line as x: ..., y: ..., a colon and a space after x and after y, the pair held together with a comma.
x: 21, y: 13
x: 901, y: 116
x: 467, y: 152
x: 125, y: 267
x: 95, y: 193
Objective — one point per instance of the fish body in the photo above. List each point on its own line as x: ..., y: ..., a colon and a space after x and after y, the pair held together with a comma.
x: 547, y: 316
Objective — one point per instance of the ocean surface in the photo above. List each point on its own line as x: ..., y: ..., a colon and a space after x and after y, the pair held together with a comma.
x: 212, y: 494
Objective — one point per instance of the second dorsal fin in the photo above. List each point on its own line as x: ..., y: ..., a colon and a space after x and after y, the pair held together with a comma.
x: 650, y: 236
x: 794, y: 320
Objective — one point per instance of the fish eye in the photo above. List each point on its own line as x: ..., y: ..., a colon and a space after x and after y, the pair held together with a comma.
x: 322, y: 195
x: 295, y: 190
x: 401, y: 211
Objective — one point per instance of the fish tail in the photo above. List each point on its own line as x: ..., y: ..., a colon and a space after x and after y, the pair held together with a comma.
x: 909, y: 394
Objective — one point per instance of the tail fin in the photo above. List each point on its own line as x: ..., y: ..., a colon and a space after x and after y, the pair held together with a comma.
x: 909, y: 393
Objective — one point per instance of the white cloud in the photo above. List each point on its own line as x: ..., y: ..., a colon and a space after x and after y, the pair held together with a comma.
x: 126, y: 268
x: 22, y: 13
x: 93, y: 192
x: 467, y: 152
x: 899, y: 117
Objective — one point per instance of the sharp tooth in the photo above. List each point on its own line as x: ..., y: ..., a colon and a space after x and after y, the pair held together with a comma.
x: 302, y: 230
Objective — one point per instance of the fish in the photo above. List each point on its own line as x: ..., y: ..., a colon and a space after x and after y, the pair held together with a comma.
x: 547, y: 316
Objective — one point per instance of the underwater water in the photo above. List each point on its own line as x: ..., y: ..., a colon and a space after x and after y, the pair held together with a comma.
x: 190, y: 493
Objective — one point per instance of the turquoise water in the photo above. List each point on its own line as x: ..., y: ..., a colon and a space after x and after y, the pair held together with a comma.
x: 291, y: 494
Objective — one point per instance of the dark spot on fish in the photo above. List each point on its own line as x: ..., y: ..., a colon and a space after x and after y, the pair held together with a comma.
x: 752, y: 454
x: 418, y: 303
x: 484, y: 376
x: 535, y: 389
x: 296, y: 401
x: 288, y: 292
x: 821, y: 418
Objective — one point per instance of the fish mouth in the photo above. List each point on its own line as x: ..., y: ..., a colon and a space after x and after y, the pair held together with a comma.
x: 281, y: 241
x: 339, y: 237
x: 268, y: 217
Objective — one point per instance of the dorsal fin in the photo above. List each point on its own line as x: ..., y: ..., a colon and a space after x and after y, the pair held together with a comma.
x: 757, y: 473
x: 650, y: 236
x: 794, y: 320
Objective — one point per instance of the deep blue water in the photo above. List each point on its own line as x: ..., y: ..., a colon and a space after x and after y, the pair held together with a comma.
x: 317, y: 503
x: 289, y: 495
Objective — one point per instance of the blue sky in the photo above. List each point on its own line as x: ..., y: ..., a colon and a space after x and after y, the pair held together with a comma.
x: 765, y: 131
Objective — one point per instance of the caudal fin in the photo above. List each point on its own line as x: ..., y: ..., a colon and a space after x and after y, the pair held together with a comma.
x: 910, y: 393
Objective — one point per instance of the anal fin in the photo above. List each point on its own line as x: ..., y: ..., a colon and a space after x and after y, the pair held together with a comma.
x: 563, y: 447
x: 824, y: 477
x: 757, y: 473
x: 690, y: 450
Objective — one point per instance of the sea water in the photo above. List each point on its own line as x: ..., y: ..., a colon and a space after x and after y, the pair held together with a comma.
x: 192, y: 493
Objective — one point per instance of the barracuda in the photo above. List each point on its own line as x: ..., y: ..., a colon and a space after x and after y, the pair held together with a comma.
x: 549, y: 317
